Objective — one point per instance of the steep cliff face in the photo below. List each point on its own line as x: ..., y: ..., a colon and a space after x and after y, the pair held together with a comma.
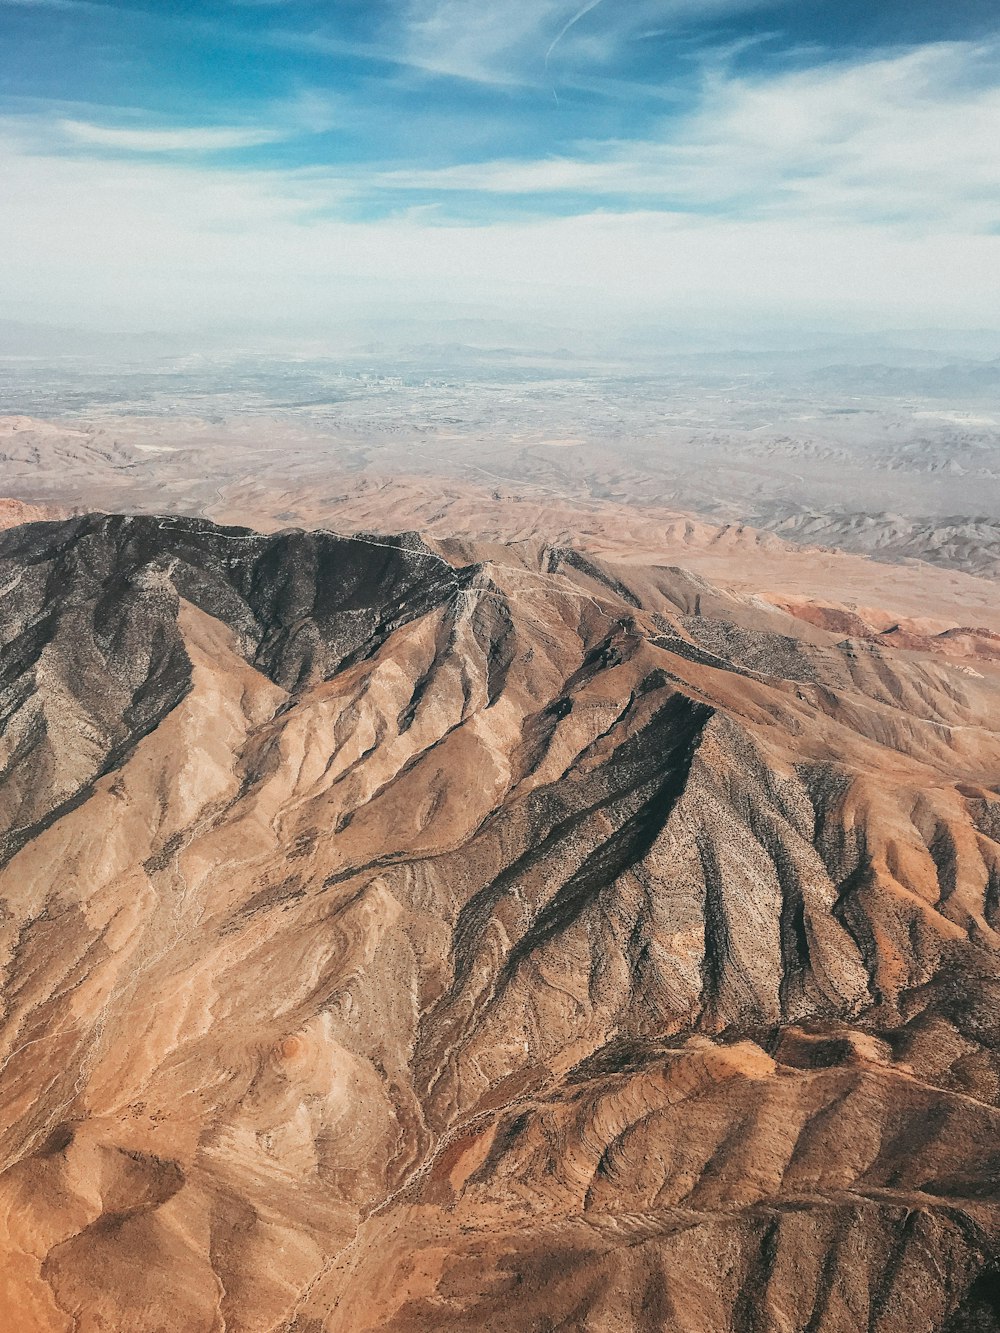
x: 392, y: 938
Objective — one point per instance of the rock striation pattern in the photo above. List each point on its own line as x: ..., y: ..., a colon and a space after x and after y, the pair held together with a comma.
x: 405, y: 937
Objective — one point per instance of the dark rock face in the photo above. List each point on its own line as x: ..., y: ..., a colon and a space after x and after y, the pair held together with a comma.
x: 93, y: 609
x: 389, y: 944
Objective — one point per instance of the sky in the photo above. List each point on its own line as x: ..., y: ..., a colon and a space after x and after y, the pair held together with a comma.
x: 292, y: 163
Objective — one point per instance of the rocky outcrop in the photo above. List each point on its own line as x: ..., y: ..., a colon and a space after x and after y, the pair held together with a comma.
x: 394, y: 941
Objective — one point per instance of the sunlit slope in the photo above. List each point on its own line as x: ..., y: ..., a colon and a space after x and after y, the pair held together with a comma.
x: 497, y: 941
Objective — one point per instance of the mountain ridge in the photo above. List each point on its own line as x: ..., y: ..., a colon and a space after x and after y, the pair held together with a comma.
x: 443, y: 944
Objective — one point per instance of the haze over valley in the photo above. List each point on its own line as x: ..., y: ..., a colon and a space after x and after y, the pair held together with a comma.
x: 897, y: 460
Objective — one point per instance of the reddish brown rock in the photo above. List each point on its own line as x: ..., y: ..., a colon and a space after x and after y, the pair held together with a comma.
x: 399, y: 942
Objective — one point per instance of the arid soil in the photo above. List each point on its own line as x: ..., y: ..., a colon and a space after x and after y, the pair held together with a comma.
x: 485, y: 931
x: 271, y: 474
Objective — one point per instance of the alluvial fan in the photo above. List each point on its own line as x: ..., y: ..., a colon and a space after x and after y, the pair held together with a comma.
x: 394, y: 938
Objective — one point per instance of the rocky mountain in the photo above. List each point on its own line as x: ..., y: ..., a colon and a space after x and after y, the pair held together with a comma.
x: 415, y: 936
x: 970, y: 544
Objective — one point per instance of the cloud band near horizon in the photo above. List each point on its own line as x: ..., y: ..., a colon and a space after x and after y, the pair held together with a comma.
x: 248, y: 158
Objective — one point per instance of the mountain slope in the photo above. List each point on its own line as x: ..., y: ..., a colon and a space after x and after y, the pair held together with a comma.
x: 422, y: 939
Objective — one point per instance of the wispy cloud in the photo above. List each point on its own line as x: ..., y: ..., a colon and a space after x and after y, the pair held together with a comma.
x: 51, y: 126
x: 498, y: 43
x: 907, y: 138
x: 571, y: 22
x: 514, y: 41
x: 751, y: 175
x: 153, y: 241
x: 195, y: 139
x: 900, y: 139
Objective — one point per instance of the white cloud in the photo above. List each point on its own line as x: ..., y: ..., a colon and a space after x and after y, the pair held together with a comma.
x: 159, y: 243
x: 195, y: 139
x: 65, y: 127
x: 869, y: 187
x: 485, y: 43
x: 892, y: 139
x: 512, y: 42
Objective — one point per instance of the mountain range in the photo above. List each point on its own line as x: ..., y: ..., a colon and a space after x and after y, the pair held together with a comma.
x: 404, y: 933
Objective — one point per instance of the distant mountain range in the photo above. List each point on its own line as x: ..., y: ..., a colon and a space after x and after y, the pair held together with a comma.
x: 952, y: 361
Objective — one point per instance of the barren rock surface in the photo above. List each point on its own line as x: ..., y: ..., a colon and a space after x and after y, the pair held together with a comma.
x: 413, y: 937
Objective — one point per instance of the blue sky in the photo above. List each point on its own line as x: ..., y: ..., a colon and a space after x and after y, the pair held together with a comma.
x: 244, y: 159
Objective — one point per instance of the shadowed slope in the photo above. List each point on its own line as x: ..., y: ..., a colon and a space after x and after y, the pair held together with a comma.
x: 393, y: 944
